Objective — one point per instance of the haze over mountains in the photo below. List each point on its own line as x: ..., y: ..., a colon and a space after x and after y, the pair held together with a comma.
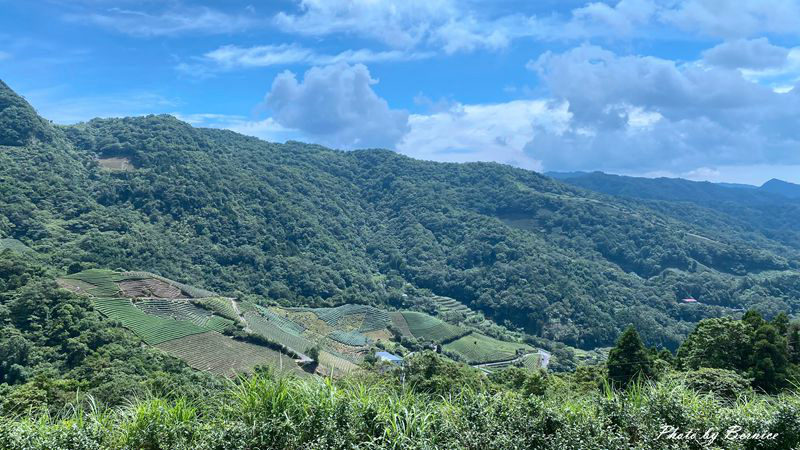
x: 305, y: 225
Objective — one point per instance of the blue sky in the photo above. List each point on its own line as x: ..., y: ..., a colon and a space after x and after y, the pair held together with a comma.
x: 701, y: 89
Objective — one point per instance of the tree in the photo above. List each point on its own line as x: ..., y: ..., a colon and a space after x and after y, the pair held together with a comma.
x: 313, y: 353
x: 794, y: 343
x: 629, y: 359
x: 769, y: 359
x: 721, y: 343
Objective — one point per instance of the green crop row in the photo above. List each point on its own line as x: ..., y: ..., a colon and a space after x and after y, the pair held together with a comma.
x: 220, y: 305
x: 104, y: 281
x: 273, y: 332
x: 478, y: 348
x: 423, y: 326
x: 351, y: 338
x: 151, y: 329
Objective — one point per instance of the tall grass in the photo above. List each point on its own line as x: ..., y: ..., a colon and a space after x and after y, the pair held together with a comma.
x: 370, y: 412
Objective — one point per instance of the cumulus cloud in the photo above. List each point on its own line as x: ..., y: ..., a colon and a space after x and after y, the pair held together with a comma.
x: 173, y: 21
x: 648, y: 113
x: 336, y: 105
x: 489, y: 132
x: 755, y: 54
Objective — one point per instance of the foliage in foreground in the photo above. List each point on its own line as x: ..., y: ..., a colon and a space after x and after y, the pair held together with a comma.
x: 265, y: 411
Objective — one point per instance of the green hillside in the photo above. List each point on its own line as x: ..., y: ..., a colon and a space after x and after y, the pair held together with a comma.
x: 304, y: 225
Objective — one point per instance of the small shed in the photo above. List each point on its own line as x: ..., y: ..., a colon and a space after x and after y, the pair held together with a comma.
x: 388, y: 357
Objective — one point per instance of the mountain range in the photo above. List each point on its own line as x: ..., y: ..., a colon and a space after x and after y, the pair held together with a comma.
x: 571, y: 260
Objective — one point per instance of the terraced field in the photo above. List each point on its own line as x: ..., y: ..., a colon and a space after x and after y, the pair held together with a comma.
x: 400, y: 324
x: 103, y: 282
x: 429, y: 328
x: 220, y: 305
x: 478, y: 348
x: 351, y: 338
x: 273, y: 331
x: 447, y: 304
x: 222, y: 355
x: 190, y: 291
x: 183, y: 309
x: 280, y: 321
x: 357, y: 317
x: 339, y: 364
x: 531, y: 361
x: 151, y: 329
x: 174, y: 309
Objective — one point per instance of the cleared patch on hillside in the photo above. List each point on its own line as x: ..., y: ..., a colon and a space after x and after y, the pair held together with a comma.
x: 150, y: 287
x: 224, y: 356
x: 14, y: 244
x: 116, y: 163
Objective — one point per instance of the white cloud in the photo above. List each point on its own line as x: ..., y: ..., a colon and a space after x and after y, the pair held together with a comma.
x: 336, y: 106
x: 600, y: 18
x: 649, y: 113
x: 174, y: 21
x: 445, y: 24
x: 490, y: 132
x: 782, y: 78
x: 756, y: 54
x: 230, y: 57
x: 267, y: 129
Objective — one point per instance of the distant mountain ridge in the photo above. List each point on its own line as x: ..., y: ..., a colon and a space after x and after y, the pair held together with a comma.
x: 781, y: 187
x: 773, y: 186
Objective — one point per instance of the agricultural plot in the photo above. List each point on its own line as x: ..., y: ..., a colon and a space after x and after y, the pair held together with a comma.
x: 351, y: 338
x: 151, y: 329
x: 367, y: 318
x: 423, y: 326
x: 336, y: 363
x: 272, y: 331
x: 400, y: 324
x: 217, y: 323
x: 222, y: 355
x: 447, y: 304
x: 531, y: 361
x: 191, y: 291
x: 280, y: 321
x: 478, y: 348
x: 220, y: 305
x: 175, y: 310
x: 103, y: 282
x: 149, y: 287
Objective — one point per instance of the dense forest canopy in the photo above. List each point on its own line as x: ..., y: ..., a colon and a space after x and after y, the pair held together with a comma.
x: 305, y: 225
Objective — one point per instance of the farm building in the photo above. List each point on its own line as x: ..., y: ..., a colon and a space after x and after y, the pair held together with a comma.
x: 388, y: 357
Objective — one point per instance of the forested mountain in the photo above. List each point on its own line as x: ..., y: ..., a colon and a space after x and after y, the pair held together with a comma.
x: 758, y: 213
x: 305, y: 225
x: 783, y: 188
